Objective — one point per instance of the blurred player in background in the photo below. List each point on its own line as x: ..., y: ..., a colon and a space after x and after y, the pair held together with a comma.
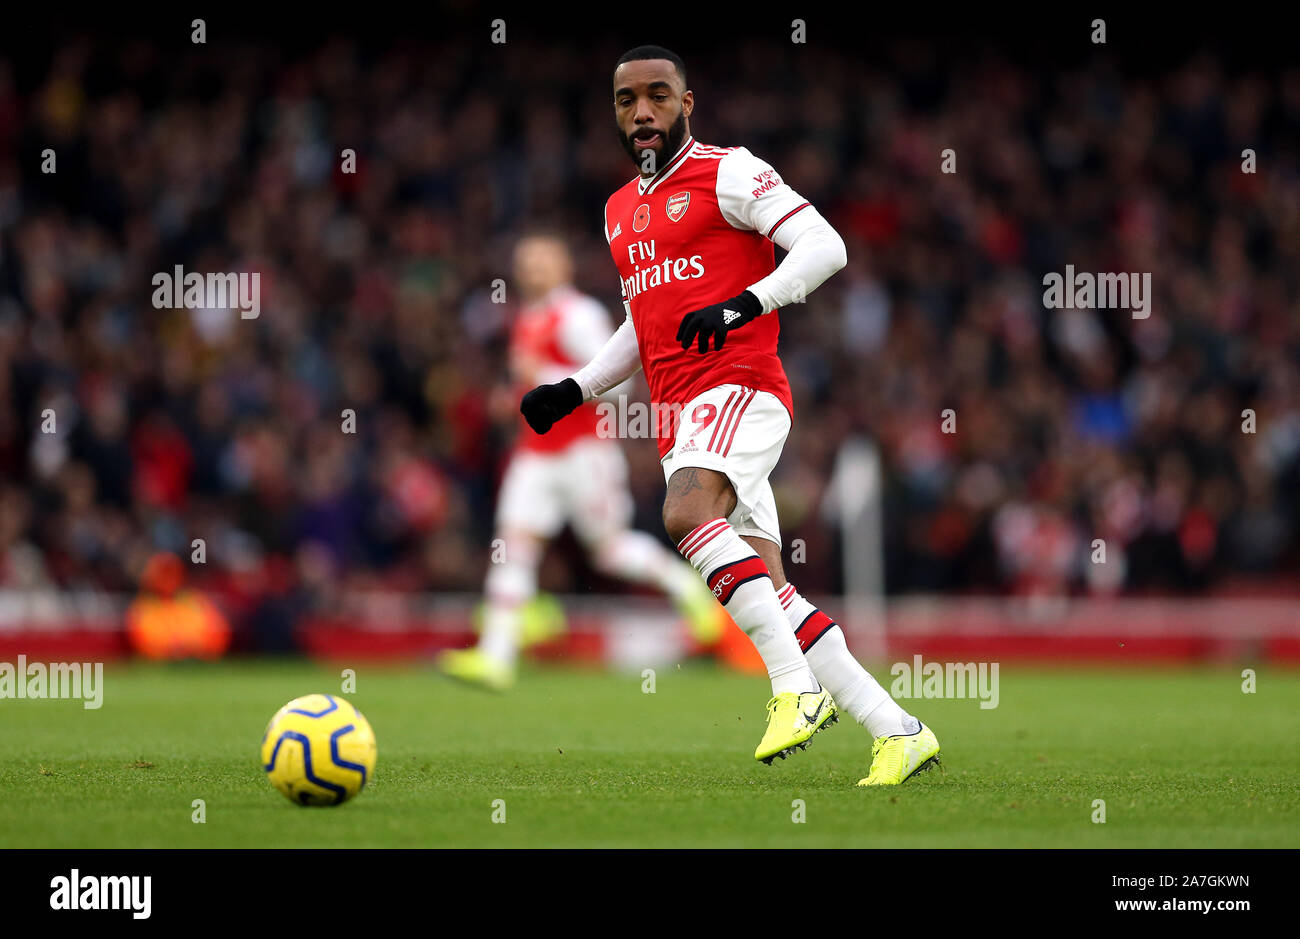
x: 171, y: 621
x: 694, y: 228
x: 569, y: 475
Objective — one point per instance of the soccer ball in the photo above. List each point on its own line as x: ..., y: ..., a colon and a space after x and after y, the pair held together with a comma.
x: 318, y: 750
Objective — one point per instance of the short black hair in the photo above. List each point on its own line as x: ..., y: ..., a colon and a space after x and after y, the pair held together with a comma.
x: 641, y: 53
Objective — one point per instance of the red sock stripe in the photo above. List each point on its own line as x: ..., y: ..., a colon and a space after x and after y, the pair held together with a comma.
x: 812, y: 628
x: 724, y: 581
x: 786, y: 595
x: 701, y: 536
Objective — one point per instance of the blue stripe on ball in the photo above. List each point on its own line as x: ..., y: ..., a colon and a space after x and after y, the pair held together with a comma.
x: 338, y: 760
x: 339, y: 792
x: 334, y: 706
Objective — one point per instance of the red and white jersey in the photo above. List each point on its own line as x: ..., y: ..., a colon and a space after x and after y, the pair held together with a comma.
x: 696, y: 233
x: 549, y: 339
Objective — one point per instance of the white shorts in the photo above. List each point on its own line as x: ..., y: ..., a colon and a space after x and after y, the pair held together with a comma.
x: 584, y: 484
x: 739, y: 432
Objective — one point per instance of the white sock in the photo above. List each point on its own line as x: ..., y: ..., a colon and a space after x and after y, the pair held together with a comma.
x: 635, y: 556
x: 741, y: 582
x: 851, y: 685
x: 509, y: 586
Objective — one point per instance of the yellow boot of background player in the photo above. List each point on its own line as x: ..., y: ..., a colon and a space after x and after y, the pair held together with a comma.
x: 713, y: 630
x: 474, y: 668
x: 542, y: 620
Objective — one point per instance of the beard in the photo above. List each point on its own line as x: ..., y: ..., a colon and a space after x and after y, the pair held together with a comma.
x: 672, y: 142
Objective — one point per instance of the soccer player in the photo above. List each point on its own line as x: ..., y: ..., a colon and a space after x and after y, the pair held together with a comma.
x: 692, y: 236
x: 571, y: 474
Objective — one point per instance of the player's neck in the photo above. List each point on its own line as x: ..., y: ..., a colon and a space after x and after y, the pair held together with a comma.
x: 686, y: 142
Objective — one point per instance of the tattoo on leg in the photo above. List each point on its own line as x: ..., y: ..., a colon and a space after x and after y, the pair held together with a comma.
x: 684, y: 481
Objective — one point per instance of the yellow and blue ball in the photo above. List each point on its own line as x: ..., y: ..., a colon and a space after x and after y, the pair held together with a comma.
x: 318, y: 750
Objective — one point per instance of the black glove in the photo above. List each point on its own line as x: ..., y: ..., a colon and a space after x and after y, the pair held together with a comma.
x: 546, y: 404
x: 716, y: 320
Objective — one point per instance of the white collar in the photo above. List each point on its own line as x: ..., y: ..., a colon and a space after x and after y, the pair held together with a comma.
x: 645, y: 185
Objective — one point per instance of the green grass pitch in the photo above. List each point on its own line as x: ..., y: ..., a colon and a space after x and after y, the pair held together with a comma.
x: 1182, y: 758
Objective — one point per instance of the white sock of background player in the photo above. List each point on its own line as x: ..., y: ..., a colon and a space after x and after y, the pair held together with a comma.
x: 509, y: 586
x: 742, y: 583
x: 851, y: 685
x: 636, y: 556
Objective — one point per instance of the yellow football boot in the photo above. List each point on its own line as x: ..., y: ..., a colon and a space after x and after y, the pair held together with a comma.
x: 474, y: 668
x: 792, y: 719
x: 541, y: 620
x: 894, y: 759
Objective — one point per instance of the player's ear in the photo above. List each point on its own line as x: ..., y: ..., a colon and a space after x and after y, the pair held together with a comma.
x: 688, y: 102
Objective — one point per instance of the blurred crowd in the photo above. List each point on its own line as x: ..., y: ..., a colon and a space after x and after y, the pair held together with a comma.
x: 126, y: 430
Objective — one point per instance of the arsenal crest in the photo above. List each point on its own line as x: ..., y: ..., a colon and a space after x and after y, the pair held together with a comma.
x: 642, y: 218
x: 676, y: 205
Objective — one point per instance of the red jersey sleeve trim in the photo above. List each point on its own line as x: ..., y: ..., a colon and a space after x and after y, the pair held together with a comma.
x: 785, y: 218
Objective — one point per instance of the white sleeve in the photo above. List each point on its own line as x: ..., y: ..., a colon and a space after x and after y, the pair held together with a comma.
x: 753, y: 197
x: 618, y: 360
x: 584, y: 328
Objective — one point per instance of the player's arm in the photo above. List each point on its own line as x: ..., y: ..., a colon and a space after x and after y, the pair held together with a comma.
x: 584, y: 337
x: 618, y: 360
x: 753, y: 197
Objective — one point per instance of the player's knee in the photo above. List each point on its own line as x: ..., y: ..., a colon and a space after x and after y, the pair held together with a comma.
x: 682, y: 516
x: 696, y: 496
